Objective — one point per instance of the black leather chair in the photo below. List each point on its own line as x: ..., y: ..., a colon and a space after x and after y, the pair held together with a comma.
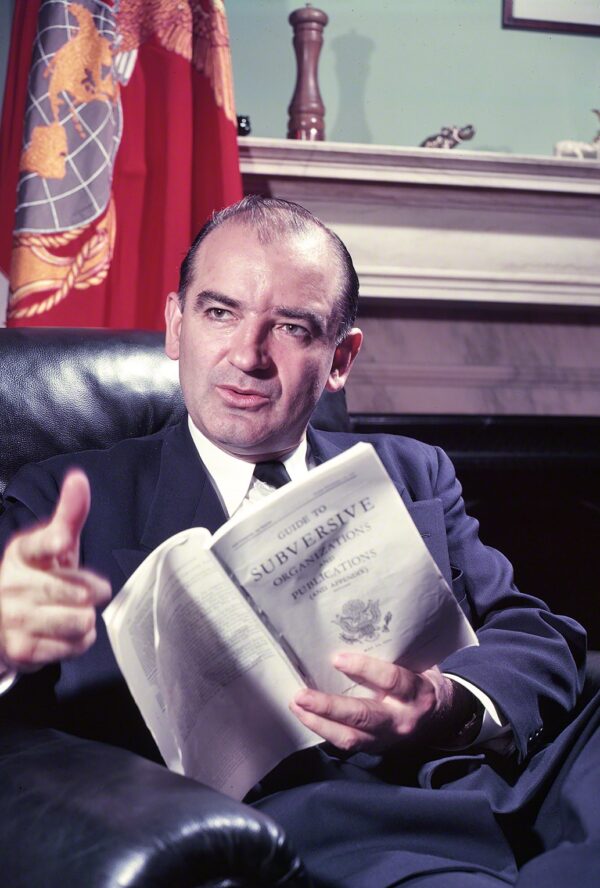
x: 76, y: 812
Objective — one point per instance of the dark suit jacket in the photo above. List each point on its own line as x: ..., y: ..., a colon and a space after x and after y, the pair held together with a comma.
x: 529, y: 662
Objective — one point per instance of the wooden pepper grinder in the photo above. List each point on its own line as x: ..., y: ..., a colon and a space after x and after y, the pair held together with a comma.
x: 306, y: 110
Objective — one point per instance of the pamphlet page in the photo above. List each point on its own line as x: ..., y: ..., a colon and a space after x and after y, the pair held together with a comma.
x: 210, y: 682
x: 335, y: 563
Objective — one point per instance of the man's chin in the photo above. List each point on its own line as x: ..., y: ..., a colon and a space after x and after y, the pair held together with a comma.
x: 252, y: 444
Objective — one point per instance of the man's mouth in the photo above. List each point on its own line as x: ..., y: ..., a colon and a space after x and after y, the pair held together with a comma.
x: 243, y: 398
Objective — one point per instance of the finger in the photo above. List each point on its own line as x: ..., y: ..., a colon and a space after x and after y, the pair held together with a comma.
x: 64, y: 623
x: 357, y: 712
x: 71, y: 513
x: 41, y: 651
x: 70, y: 624
x: 59, y: 538
x: 29, y: 587
x: 344, y: 737
x: 55, y: 633
x: 379, y: 675
x: 74, y: 503
x: 76, y: 586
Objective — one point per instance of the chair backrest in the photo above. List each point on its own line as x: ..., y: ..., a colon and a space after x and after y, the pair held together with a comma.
x: 63, y: 390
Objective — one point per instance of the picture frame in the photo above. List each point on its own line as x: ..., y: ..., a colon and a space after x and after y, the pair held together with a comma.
x: 567, y: 16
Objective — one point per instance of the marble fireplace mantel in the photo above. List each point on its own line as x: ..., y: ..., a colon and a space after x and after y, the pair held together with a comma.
x: 431, y: 225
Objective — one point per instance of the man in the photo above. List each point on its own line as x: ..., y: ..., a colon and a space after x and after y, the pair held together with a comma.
x: 261, y: 324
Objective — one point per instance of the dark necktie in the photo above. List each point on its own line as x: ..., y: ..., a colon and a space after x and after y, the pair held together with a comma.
x: 272, y: 472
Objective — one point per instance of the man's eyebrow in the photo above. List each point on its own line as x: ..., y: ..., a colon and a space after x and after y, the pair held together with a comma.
x: 317, y: 322
x: 205, y: 296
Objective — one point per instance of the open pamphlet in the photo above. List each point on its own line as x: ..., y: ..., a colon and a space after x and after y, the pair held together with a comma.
x: 215, y: 635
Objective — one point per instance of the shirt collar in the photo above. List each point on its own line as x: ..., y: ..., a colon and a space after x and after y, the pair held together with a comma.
x: 232, y: 476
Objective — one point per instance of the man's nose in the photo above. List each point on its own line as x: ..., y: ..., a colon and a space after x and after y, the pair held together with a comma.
x: 249, y: 347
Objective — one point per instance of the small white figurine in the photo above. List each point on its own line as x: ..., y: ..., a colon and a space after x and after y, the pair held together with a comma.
x: 583, y: 150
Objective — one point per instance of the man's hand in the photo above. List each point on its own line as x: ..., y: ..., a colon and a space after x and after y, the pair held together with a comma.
x: 405, y: 707
x: 47, y: 603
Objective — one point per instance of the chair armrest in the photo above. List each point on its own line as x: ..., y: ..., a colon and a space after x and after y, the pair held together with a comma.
x: 77, y: 812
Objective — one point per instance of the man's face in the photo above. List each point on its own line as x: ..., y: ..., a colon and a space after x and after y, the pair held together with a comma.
x: 256, y: 339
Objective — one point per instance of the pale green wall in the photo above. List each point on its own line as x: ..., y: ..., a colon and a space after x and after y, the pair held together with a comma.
x: 393, y: 71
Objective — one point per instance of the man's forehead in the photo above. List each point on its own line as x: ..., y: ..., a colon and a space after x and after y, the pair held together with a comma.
x: 236, y: 235
x: 241, y: 261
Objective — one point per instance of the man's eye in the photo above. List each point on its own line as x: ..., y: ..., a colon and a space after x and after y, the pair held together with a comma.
x: 218, y: 314
x: 294, y: 330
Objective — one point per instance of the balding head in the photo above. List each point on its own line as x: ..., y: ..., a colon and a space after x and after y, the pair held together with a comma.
x: 273, y: 219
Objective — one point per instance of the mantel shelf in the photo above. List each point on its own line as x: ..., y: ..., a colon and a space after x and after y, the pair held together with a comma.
x: 460, y: 226
x: 420, y: 166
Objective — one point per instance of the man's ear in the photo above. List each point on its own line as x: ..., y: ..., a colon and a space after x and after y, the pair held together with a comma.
x: 343, y: 358
x: 173, y: 319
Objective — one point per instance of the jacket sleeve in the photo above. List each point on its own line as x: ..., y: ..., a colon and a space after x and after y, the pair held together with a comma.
x: 530, y: 662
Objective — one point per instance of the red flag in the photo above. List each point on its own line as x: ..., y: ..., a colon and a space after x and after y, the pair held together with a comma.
x: 129, y: 143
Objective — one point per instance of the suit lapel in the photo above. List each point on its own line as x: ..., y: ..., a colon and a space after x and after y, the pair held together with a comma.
x: 184, y: 497
x: 323, y: 448
x: 428, y: 515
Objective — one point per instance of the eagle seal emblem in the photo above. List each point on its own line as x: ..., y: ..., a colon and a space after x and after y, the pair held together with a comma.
x: 362, y: 621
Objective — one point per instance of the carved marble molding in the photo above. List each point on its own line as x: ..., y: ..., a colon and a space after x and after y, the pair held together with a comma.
x: 477, y: 376
x: 460, y: 285
x: 430, y: 225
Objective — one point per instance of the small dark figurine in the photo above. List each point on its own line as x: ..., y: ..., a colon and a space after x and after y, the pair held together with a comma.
x: 449, y: 137
x: 243, y: 125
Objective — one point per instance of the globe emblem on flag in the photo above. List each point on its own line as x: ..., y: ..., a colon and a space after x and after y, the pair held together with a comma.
x: 73, y: 121
x: 64, y: 231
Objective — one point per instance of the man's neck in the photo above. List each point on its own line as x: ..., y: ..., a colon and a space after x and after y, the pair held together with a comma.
x: 231, y: 475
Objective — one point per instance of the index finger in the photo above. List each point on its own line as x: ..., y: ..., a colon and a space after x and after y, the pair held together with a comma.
x: 379, y: 675
x: 74, y: 503
x: 59, y: 538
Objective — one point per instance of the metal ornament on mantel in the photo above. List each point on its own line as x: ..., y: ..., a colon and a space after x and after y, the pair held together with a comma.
x: 306, y: 110
x: 449, y: 137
